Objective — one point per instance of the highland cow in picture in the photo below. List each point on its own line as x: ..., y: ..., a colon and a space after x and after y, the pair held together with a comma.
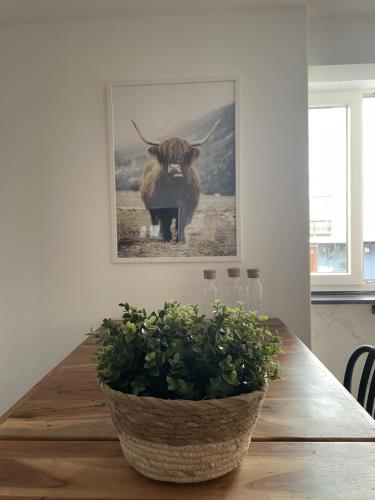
x: 174, y: 171
x: 171, y: 184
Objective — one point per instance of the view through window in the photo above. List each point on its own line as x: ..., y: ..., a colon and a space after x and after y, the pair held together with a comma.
x: 328, y: 150
x: 369, y: 188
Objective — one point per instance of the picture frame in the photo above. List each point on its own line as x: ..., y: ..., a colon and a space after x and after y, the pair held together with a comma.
x: 165, y: 222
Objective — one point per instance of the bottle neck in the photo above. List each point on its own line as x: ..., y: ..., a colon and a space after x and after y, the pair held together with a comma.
x: 234, y: 281
x: 210, y: 283
x: 254, y: 282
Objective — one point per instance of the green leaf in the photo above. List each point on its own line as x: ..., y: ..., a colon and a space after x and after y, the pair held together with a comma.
x: 231, y: 377
x: 176, y: 357
x: 130, y: 336
x: 172, y: 383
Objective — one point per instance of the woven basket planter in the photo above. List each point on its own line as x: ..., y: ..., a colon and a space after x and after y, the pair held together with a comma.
x: 183, y: 441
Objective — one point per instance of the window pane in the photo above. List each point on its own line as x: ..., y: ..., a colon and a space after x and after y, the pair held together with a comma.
x: 328, y: 189
x: 368, y: 188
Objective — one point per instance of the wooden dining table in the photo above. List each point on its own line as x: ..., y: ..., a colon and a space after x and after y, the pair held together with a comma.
x: 312, y: 440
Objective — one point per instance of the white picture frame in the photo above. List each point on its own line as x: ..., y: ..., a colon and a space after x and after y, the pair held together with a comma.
x: 130, y: 100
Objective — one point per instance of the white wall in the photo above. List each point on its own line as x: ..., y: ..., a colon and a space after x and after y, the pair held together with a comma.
x: 341, y: 40
x: 21, y: 154
x: 55, y: 154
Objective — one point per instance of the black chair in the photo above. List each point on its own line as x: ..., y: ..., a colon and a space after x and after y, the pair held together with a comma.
x: 366, y: 386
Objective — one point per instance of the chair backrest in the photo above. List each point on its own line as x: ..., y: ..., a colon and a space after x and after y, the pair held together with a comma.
x: 367, y: 383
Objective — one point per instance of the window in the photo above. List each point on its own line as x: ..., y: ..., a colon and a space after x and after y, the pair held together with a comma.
x: 369, y: 188
x: 328, y: 146
x: 342, y: 183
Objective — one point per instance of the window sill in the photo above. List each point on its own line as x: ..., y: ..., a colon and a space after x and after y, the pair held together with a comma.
x: 342, y: 297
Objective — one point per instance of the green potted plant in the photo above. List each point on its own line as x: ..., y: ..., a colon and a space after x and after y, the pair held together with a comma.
x: 184, y: 390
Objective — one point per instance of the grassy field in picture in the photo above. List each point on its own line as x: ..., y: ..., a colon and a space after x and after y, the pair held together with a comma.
x: 211, y: 233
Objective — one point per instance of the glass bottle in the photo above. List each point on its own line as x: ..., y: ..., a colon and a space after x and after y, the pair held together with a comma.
x: 254, y: 291
x: 234, y: 288
x: 209, y: 291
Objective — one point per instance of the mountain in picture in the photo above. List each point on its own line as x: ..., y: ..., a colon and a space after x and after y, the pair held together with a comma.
x: 216, y: 164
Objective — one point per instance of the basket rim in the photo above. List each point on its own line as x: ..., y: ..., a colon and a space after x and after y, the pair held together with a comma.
x: 244, y: 396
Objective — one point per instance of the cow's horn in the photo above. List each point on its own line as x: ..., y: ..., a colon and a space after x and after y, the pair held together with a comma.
x: 152, y: 143
x: 206, y: 137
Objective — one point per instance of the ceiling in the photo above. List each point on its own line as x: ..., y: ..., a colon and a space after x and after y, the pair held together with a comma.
x: 37, y: 11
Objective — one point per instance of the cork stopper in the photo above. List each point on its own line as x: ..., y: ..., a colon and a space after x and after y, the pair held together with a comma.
x: 209, y: 274
x: 234, y: 272
x: 253, y: 273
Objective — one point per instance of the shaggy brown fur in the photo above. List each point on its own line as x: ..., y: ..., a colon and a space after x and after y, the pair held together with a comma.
x: 171, y: 186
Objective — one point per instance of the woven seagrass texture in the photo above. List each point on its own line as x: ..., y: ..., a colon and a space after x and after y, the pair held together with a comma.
x: 181, y: 440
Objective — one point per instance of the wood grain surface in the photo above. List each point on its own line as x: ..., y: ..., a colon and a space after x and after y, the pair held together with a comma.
x: 307, y: 404
x: 97, y: 469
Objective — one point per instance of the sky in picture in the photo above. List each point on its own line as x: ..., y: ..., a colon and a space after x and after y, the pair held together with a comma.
x: 158, y: 109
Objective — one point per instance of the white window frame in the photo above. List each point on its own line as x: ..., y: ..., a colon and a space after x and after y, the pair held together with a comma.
x: 353, y: 279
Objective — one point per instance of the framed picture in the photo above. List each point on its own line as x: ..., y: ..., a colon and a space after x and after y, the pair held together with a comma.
x: 174, y: 170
